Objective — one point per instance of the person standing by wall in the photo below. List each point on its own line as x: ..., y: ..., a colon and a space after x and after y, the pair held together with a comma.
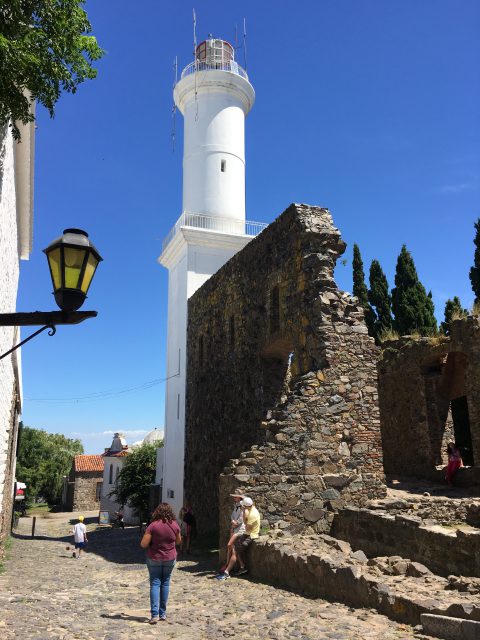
x: 237, y: 527
x: 454, y: 462
x: 159, y: 539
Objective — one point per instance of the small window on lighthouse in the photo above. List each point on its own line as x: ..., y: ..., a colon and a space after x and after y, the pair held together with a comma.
x: 223, y: 166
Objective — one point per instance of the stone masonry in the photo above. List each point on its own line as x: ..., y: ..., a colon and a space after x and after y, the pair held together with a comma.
x: 85, y: 481
x: 419, y: 382
x: 281, y: 384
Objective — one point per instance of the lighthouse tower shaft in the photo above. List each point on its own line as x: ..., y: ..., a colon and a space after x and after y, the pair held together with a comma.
x: 214, y: 96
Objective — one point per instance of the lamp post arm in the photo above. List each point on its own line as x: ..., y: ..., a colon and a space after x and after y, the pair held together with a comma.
x: 48, y: 318
x: 52, y: 332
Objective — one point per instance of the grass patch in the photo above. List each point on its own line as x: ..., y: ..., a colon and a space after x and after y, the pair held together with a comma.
x: 387, y: 335
x: 38, y: 510
x: 6, y: 549
x: 461, y: 314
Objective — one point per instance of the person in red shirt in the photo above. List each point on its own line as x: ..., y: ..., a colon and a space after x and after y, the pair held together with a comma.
x: 159, y: 539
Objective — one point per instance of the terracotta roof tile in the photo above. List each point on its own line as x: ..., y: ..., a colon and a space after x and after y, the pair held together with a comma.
x: 115, y: 454
x: 89, y: 463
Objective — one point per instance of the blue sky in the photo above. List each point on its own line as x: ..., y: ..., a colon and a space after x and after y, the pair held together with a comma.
x: 367, y: 107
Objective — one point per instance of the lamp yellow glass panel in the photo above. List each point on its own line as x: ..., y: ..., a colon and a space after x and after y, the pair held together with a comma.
x: 89, y: 272
x: 54, y: 260
x: 73, y: 266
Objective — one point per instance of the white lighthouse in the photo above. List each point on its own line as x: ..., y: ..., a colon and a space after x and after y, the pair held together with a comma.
x: 214, y: 95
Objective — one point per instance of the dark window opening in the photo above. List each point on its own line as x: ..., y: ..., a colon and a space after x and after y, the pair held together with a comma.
x: 275, y: 371
x: 275, y: 310
x: 223, y: 166
x: 110, y: 477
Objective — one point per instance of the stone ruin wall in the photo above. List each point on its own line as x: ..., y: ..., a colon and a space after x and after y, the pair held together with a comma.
x: 281, y: 382
x: 85, y: 491
x: 418, y: 378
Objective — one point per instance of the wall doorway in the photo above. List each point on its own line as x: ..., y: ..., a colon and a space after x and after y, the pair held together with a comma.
x: 461, y: 429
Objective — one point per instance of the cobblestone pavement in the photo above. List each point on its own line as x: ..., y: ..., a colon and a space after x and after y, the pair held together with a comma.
x: 45, y: 593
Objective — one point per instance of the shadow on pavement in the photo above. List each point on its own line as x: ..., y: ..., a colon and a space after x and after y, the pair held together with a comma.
x: 124, y: 616
x: 121, y: 546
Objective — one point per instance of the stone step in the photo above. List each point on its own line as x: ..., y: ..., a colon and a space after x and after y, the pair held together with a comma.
x: 316, y: 566
x: 450, y: 628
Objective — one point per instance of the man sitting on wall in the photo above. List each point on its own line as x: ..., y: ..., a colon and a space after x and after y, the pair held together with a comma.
x: 251, y: 518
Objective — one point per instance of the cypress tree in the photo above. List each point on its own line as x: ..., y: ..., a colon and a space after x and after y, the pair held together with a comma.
x: 453, y: 310
x: 379, y: 297
x: 360, y: 290
x: 413, y: 308
x: 475, y: 270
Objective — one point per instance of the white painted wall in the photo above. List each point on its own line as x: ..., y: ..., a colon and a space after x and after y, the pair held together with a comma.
x: 9, y: 270
x: 159, y: 465
x: 108, y: 503
x: 16, y: 224
x: 192, y: 257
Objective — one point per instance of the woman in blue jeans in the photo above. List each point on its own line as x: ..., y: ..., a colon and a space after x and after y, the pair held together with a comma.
x: 159, y: 539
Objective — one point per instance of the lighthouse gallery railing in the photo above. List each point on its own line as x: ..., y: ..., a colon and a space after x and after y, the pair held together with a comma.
x: 214, y: 223
x: 228, y: 65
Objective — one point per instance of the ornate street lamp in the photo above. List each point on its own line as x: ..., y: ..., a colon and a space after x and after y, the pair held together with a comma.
x: 73, y: 260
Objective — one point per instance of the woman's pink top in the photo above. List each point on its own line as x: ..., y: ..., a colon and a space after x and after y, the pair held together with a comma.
x: 162, y: 546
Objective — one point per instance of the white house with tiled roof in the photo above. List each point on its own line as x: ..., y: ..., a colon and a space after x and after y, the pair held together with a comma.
x: 114, y: 458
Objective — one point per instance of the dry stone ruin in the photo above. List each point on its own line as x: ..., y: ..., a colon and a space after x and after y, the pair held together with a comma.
x: 289, y: 401
x: 429, y: 392
x: 282, y: 385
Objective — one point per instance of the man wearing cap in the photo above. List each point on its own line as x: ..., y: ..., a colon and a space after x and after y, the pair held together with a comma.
x: 237, y: 526
x: 251, y: 519
x: 79, y: 536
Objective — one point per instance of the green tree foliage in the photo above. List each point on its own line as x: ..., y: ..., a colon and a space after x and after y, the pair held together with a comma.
x: 412, y: 307
x: 135, y: 478
x: 43, y: 459
x: 475, y: 270
x: 360, y: 289
x: 379, y: 297
x: 453, y: 311
x: 44, y: 51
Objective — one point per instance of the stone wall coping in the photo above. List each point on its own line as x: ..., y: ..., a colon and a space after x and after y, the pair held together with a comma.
x: 415, y: 522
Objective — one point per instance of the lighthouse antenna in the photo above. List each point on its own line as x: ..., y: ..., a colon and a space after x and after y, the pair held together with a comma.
x: 196, y: 61
x: 174, y: 106
x: 245, y: 43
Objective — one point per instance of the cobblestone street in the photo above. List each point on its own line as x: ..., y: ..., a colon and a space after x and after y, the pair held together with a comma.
x: 45, y: 593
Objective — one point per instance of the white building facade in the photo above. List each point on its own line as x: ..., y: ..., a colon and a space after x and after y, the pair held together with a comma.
x: 16, y: 224
x: 214, y: 95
